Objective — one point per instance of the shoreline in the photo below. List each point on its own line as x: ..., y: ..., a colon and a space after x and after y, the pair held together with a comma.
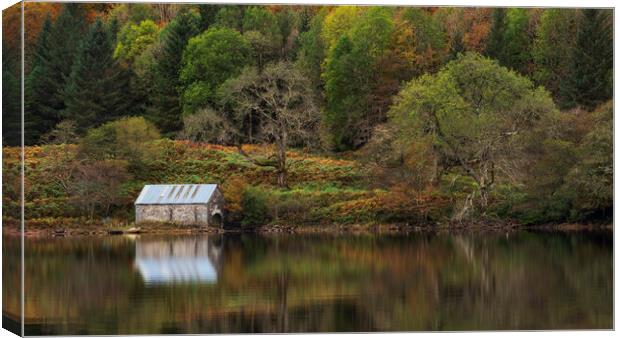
x: 344, y: 229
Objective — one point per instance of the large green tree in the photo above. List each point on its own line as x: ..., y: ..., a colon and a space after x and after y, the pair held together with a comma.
x: 230, y: 16
x: 496, y: 43
x: 133, y: 39
x: 135, y: 48
x: 208, y: 14
x: 556, y: 39
x: 509, y: 41
x: 258, y: 18
x: 569, y: 168
x: 261, y: 30
x: 349, y: 75
x: 517, y: 41
x: 52, y: 62
x: 41, y: 109
x: 591, y: 179
x: 98, y: 88
x: 338, y: 22
x: 11, y: 105
x: 590, y: 81
x: 312, y: 50
x: 165, y: 106
x: 208, y: 60
x: 288, y: 28
x: 475, y: 112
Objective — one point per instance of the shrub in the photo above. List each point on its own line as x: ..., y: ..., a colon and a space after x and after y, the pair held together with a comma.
x: 64, y: 132
x: 97, y: 186
x: 290, y: 208
x: 126, y: 138
x: 129, y: 139
x: 233, y: 190
x: 254, y: 204
x: 206, y: 125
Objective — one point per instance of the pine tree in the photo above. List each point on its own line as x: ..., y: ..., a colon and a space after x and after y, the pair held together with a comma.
x: 165, y: 111
x: 41, y: 108
x: 518, y: 55
x: 51, y: 67
x: 556, y: 38
x: 11, y: 109
x: 208, y: 14
x: 312, y: 50
x: 349, y: 77
x: 114, y: 27
x: 590, y: 81
x: 509, y: 41
x: 67, y: 32
x: 231, y: 16
x: 495, y: 45
x: 457, y: 46
x: 98, y: 88
x: 345, y: 98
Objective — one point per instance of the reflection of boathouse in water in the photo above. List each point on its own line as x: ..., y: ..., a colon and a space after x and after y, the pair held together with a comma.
x: 164, y: 261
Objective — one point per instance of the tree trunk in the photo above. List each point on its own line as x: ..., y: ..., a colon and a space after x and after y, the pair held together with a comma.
x: 282, y: 178
x: 250, y: 132
x: 435, y: 174
x: 484, y: 196
x: 282, y: 164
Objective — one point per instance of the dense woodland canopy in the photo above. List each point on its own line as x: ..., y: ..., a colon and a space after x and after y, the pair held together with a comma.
x: 516, y: 102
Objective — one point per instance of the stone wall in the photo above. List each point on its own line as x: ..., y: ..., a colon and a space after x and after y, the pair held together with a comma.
x: 186, y: 214
x: 202, y: 214
x: 153, y: 213
x: 216, y: 206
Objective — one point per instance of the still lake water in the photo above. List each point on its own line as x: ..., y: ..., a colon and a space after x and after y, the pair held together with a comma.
x: 315, y: 283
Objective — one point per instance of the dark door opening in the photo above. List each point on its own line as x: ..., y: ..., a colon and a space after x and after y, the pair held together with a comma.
x: 216, y: 220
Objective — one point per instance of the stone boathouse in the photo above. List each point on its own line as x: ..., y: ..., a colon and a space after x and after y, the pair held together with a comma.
x: 187, y: 204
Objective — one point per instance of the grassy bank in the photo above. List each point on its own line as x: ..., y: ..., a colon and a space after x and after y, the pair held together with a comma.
x: 322, y: 192
x: 65, y: 193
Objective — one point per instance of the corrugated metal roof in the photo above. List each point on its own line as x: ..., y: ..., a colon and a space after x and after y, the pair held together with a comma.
x: 176, y: 193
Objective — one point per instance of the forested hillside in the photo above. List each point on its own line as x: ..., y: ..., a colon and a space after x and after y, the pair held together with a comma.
x: 430, y: 114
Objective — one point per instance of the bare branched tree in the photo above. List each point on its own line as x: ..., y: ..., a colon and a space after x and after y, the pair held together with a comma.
x: 96, y: 186
x: 166, y: 11
x: 275, y: 106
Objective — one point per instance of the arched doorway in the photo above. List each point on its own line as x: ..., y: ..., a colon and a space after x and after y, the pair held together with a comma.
x: 216, y: 220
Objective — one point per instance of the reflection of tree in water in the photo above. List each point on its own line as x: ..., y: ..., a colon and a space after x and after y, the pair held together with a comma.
x: 478, y: 259
x: 68, y: 279
x: 282, y: 292
x: 324, y: 283
x: 485, y: 281
x: 11, y: 283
